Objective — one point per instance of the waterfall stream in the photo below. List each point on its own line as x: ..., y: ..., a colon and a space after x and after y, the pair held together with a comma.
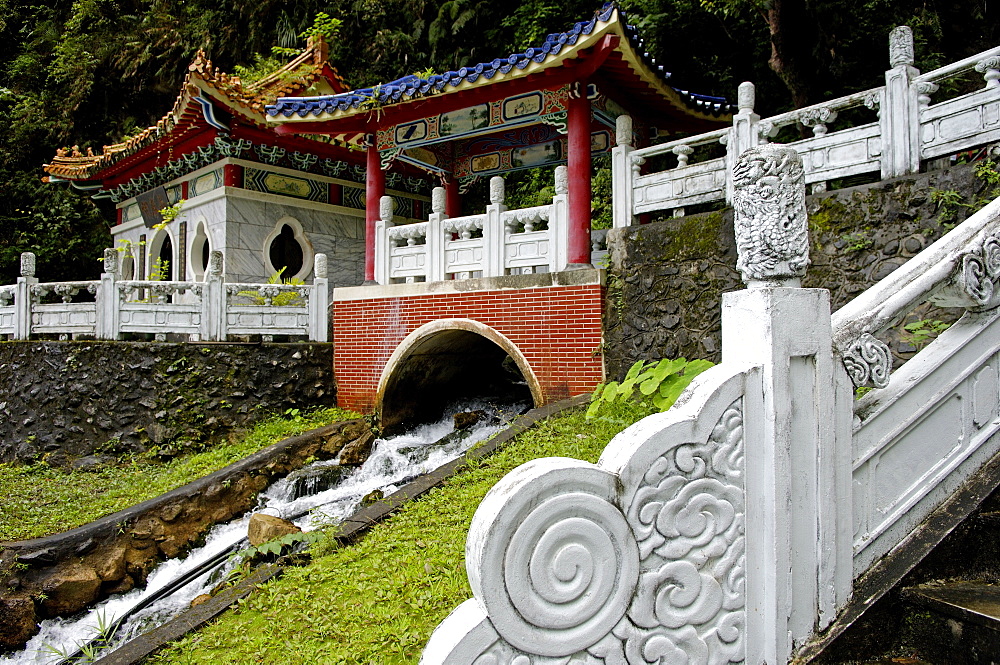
x: 317, y: 495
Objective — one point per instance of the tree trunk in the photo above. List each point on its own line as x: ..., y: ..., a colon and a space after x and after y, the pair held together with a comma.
x: 792, y: 31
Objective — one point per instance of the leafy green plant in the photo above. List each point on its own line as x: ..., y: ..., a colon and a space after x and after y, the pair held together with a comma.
x: 922, y: 332
x: 856, y: 241
x: 170, y: 213
x: 283, y: 544
x: 160, y: 271
x: 659, y: 383
x: 283, y: 299
x: 948, y: 202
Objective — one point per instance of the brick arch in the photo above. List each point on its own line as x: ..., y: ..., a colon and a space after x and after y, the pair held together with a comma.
x: 446, y: 336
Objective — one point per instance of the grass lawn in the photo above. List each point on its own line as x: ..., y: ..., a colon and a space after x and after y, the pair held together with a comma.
x: 378, y: 601
x: 39, y: 500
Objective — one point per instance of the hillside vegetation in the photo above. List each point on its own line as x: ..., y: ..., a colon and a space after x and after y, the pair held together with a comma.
x: 87, y: 73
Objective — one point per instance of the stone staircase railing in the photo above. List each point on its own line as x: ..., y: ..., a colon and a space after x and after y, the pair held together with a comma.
x: 909, y: 128
x: 211, y: 310
x: 498, y: 242
x: 733, y: 527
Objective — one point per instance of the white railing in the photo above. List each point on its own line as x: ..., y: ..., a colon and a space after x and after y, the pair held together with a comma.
x: 498, y: 242
x: 207, y: 311
x: 733, y: 527
x: 906, y: 128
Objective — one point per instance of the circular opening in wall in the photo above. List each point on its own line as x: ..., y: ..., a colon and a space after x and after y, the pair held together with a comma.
x: 286, y: 252
x: 444, y: 367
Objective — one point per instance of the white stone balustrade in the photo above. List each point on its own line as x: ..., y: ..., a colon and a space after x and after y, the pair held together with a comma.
x: 908, y: 126
x: 498, y: 242
x: 210, y: 310
x: 734, y: 527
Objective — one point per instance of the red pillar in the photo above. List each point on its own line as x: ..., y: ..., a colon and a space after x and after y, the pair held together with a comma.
x: 452, y: 199
x: 374, y: 190
x: 578, y: 168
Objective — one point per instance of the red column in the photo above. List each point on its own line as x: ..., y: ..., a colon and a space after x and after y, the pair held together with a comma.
x: 232, y: 175
x: 374, y: 190
x: 578, y: 167
x: 452, y: 199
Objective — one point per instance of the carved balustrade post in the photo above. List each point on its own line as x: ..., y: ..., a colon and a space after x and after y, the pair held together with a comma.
x: 22, y: 297
x: 621, y: 173
x: 319, y: 302
x: 436, y: 237
x: 214, y: 300
x: 494, y: 235
x: 559, y: 222
x: 382, y: 243
x: 900, y: 107
x: 745, y: 132
x: 108, y: 302
x: 798, y: 547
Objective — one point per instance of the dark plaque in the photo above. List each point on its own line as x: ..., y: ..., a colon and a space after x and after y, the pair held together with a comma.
x: 150, y: 205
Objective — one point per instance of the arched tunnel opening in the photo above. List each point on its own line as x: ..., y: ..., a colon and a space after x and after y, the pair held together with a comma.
x: 446, y: 367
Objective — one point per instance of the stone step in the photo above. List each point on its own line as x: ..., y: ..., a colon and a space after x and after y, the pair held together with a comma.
x: 971, y: 613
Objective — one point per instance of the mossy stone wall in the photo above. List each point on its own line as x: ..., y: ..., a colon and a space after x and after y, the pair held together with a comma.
x: 78, y: 402
x: 666, y: 279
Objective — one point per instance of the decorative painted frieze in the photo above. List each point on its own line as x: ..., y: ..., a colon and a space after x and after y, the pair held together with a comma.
x: 772, y: 235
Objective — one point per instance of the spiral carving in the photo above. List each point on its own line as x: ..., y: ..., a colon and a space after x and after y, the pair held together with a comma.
x: 559, y: 565
x: 868, y: 362
x: 975, y: 279
x: 991, y: 256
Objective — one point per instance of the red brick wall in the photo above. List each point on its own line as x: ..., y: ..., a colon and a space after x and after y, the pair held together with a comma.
x: 556, y: 328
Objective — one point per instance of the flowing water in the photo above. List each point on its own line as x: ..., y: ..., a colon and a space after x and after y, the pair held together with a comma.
x: 316, y: 496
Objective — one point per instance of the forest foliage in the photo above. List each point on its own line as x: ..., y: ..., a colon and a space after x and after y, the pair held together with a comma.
x: 89, y: 72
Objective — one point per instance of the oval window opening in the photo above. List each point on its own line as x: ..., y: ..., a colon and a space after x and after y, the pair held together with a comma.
x: 163, y: 268
x: 286, y: 252
x: 205, y: 252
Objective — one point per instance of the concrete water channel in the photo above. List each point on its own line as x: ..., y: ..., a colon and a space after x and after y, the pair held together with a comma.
x: 321, y: 494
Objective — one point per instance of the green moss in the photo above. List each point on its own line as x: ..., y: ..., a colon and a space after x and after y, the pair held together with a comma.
x: 830, y: 216
x: 693, y: 237
x: 41, y: 500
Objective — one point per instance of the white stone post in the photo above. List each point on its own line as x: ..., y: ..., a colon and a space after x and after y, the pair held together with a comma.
x: 798, y: 466
x: 494, y: 233
x: 745, y: 132
x: 23, y: 297
x: 382, y: 246
x: 214, y: 300
x: 108, y: 302
x: 621, y: 173
x: 319, y: 302
x: 559, y: 222
x: 435, y: 235
x: 899, y: 117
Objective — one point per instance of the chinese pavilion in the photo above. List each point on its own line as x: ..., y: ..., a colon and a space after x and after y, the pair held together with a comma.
x: 460, y: 297
x: 553, y: 104
x: 268, y: 201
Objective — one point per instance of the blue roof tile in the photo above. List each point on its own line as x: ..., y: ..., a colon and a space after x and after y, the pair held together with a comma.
x: 412, y: 86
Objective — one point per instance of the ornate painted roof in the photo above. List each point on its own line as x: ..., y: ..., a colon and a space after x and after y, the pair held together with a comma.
x: 203, y: 86
x: 556, y: 49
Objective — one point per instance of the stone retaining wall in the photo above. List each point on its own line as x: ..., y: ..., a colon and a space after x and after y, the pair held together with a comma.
x: 63, y: 401
x: 666, y: 278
